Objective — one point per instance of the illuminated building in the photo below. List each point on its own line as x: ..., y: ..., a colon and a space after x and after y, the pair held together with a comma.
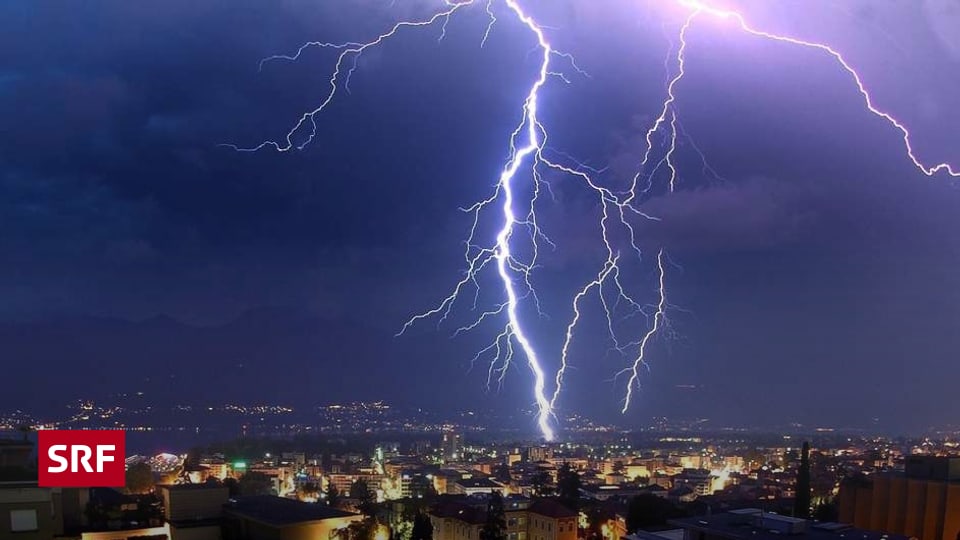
x: 216, y: 467
x: 539, y: 453
x: 543, y: 519
x: 699, y: 480
x: 693, y: 462
x: 451, y: 445
x: 733, y: 463
x: 193, y: 510
x: 614, y: 479
x: 636, y: 470
x: 153, y: 533
x: 415, y: 484
x: 344, y: 482
x: 923, y: 502
x: 472, y: 486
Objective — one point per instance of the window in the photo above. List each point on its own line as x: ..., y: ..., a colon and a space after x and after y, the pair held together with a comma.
x: 23, y: 520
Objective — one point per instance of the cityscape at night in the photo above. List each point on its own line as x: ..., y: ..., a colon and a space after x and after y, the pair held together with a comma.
x: 479, y: 270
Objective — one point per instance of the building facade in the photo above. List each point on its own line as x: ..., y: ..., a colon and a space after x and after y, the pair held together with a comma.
x: 526, y: 520
x: 266, y: 517
x: 923, y: 502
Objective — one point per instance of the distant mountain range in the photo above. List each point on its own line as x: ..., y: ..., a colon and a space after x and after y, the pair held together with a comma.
x: 270, y: 355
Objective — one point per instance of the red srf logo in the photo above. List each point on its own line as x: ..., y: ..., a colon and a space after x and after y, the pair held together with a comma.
x: 73, y: 458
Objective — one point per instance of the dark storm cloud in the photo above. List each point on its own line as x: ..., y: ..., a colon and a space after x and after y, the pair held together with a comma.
x: 839, y: 213
x: 114, y: 114
x: 755, y: 214
x: 115, y: 198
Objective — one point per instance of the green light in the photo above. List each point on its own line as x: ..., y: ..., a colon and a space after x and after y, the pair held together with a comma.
x: 239, y: 465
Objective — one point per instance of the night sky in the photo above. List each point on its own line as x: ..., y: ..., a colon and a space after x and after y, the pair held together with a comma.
x: 818, y: 283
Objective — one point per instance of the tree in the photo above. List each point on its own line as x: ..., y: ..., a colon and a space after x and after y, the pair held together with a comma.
x: 597, y: 515
x: 333, y: 494
x: 255, y: 483
x: 649, y: 510
x: 828, y: 512
x: 362, y: 530
x: 502, y: 473
x: 193, y: 456
x: 139, y: 478
x: 233, y: 487
x: 495, y: 527
x: 801, y: 504
x: 568, y: 487
x: 360, y: 491
x: 422, y: 527
x: 541, y: 482
x: 401, y: 530
x: 308, y: 490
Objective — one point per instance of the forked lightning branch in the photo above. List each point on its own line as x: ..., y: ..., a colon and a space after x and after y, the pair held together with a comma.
x: 519, y: 230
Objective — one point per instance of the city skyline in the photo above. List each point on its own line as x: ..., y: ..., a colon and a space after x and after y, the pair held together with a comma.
x: 813, y: 281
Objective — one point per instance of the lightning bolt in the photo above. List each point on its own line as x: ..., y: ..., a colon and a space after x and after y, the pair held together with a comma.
x: 621, y: 214
x: 698, y: 7
x: 349, y: 52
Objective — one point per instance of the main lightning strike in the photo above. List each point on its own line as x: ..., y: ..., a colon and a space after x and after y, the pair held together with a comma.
x: 502, y: 252
x: 527, y: 148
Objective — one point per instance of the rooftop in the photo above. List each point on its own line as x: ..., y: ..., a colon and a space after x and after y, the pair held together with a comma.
x: 190, y: 487
x: 551, y: 508
x: 459, y: 510
x: 16, y: 443
x: 669, y: 534
x: 612, y: 488
x: 471, y: 513
x: 478, y: 483
x: 278, y: 511
x: 757, y: 525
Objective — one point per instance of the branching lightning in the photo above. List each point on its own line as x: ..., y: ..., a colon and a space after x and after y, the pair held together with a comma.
x: 741, y: 22
x: 529, y: 159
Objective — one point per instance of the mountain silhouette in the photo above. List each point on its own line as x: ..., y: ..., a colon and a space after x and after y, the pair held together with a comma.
x: 268, y: 355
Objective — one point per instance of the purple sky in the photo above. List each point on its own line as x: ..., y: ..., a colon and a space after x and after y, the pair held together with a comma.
x: 818, y: 281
